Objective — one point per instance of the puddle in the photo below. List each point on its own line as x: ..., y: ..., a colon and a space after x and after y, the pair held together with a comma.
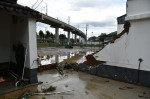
x: 68, y: 57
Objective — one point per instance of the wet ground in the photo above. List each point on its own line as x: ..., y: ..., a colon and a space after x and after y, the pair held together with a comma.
x: 84, y: 86
x: 62, y: 55
x: 88, y: 86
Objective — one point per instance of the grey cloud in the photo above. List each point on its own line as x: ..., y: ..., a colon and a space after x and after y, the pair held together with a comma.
x: 78, y: 4
x: 99, y: 24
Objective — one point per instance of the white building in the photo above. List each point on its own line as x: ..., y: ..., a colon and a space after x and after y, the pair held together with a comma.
x: 128, y: 58
x: 18, y: 25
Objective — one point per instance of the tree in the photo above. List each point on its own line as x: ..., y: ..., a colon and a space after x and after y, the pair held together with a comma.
x: 52, y: 35
x: 47, y: 34
x: 41, y: 34
x: 93, y: 38
x: 62, y: 37
x: 102, y: 36
x: 112, y: 34
x: 72, y: 40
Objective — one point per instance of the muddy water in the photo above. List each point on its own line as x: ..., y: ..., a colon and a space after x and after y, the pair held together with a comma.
x: 87, y: 86
x: 69, y: 57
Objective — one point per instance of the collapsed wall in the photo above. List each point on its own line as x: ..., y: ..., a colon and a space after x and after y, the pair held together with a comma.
x: 128, y: 55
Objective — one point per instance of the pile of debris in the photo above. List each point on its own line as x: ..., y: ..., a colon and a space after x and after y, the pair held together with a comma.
x: 47, y: 67
x: 92, y: 62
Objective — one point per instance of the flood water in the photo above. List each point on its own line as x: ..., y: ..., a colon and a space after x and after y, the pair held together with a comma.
x: 63, y: 56
x: 86, y: 86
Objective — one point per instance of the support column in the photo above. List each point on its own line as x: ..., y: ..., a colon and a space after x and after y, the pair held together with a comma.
x: 31, y: 52
x: 68, y: 37
x: 57, y: 35
x: 75, y: 38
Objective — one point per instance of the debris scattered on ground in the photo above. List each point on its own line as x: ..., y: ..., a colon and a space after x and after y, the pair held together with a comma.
x: 141, y: 96
x: 53, y: 93
x: 60, y: 70
x: 125, y: 87
x: 47, y: 67
x: 26, y: 95
x: 51, y: 88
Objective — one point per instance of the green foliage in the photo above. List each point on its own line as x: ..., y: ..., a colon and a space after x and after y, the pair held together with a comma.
x: 22, y: 84
x: 52, y: 36
x: 47, y: 44
x: 87, y: 45
x: 51, y: 88
x: 93, y: 38
x: 62, y: 37
x: 47, y: 34
x: 41, y: 34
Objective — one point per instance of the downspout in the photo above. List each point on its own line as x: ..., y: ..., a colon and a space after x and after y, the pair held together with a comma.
x: 140, y: 61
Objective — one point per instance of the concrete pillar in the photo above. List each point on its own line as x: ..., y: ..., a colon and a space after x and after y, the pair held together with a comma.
x: 56, y: 35
x: 31, y: 44
x: 80, y: 39
x: 75, y: 38
x: 68, y: 37
x: 31, y: 52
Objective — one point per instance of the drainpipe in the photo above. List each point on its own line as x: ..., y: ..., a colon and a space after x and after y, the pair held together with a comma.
x: 140, y: 61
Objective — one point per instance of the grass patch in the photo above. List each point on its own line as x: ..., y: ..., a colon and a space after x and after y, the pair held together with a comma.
x: 51, y: 88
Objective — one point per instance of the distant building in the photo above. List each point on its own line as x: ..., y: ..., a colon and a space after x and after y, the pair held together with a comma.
x: 120, y: 21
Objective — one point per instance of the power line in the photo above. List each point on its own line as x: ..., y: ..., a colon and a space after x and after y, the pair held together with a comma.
x: 34, y: 4
x: 38, y: 4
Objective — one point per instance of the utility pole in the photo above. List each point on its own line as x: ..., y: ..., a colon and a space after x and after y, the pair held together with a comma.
x: 46, y: 9
x: 87, y: 26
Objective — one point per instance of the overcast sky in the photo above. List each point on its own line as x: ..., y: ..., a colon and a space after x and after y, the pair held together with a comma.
x: 99, y: 14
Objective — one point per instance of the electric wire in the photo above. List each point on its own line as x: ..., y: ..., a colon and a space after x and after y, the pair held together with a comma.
x: 35, y: 3
x: 38, y: 4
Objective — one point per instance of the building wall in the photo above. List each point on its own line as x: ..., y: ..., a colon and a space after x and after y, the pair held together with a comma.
x: 120, y: 28
x: 126, y: 50
x: 5, y: 29
x: 18, y: 30
x: 19, y: 33
x: 135, y: 7
x: 122, y: 56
